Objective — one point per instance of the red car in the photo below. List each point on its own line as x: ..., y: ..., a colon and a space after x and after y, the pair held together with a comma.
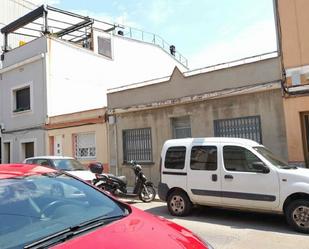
x: 41, y: 207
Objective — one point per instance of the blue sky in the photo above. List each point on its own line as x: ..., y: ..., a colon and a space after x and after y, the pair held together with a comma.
x: 205, y: 31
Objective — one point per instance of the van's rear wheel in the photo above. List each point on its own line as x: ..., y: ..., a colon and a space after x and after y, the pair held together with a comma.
x: 179, y: 204
x: 297, y: 215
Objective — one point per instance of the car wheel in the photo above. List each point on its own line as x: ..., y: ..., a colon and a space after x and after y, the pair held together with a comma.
x: 297, y: 215
x: 179, y: 204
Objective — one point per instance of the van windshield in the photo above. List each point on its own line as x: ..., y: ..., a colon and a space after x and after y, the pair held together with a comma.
x: 276, y: 161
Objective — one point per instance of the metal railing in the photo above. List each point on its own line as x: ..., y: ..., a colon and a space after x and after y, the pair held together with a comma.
x: 140, y: 35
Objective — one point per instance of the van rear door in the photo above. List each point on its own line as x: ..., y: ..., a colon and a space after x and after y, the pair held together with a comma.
x: 203, y: 181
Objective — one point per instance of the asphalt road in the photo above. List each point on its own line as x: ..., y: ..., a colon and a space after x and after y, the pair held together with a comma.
x: 226, y: 229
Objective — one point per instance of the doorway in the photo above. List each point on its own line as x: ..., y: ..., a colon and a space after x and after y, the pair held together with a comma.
x: 305, y: 135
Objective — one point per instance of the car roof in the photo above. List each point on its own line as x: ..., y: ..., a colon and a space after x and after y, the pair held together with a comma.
x: 20, y: 170
x: 229, y: 140
x: 50, y: 157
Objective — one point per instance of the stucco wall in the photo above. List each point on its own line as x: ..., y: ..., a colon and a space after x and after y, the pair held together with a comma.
x: 267, y: 104
x: 100, y: 131
x: 293, y: 107
x: 83, y: 76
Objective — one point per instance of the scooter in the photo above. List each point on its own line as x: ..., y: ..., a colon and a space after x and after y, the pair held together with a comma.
x: 117, y: 185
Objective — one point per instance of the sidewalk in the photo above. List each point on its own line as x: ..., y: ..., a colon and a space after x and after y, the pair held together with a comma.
x: 130, y: 189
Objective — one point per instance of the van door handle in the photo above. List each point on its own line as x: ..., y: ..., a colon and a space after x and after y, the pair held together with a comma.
x: 214, y: 177
x: 228, y: 177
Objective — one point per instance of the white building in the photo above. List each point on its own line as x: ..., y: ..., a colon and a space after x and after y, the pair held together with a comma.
x: 66, y: 70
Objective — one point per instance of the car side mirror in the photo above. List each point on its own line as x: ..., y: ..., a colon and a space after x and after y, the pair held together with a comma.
x: 260, y: 167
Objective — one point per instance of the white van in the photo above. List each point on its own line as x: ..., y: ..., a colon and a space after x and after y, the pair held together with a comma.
x: 232, y: 172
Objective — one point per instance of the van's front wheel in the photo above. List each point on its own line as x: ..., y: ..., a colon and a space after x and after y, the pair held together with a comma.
x: 297, y: 215
x: 179, y: 204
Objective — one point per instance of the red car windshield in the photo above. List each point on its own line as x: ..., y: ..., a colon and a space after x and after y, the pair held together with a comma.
x: 35, y: 207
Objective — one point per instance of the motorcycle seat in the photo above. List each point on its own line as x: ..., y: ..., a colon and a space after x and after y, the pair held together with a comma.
x: 120, y: 178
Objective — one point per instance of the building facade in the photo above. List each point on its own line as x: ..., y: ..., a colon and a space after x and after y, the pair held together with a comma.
x: 82, y: 135
x: 293, y: 37
x: 236, y: 101
x: 66, y: 71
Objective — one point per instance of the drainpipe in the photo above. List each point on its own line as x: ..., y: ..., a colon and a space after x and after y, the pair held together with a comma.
x: 116, y: 144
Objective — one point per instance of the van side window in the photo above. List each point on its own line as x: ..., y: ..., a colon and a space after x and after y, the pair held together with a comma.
x: 239, y: 159
x: 203, y: 158
x: 175, y: 157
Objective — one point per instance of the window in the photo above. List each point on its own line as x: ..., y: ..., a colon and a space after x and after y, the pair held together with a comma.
x: 175, y: 157
x: 105, y: 46
x: 84, y: 145
x: 181, y: 127
x: 137, y: 145
x: 203, y: 158
x: 246, y: 127
x: 239, y: 159
x: 21, y: 99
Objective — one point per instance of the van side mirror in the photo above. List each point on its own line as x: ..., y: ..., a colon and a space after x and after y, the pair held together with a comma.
x: 260, y: 167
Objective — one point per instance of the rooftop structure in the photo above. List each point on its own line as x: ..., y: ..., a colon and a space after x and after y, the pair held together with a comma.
x: 76, y: 29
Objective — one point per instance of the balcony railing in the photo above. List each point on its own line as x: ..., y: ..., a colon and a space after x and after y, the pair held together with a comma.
x: 152, y: 38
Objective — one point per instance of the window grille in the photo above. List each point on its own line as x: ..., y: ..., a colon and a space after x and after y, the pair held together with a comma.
x: 105, y: 46
x: 181, y: 127
x: 137, y: 145
x: 85, y: 147
x: 245, y: 127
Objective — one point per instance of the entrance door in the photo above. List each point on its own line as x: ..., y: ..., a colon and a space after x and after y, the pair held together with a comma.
x: 305, y: 135
x: 203, y: 181
x: 243, y: 185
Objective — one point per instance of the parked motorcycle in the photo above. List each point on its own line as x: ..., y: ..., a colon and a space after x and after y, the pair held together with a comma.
x: 117, y: 185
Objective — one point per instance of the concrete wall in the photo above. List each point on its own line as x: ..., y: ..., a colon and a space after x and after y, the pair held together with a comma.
x: 180, y: 86
x: 28, y: 74
x: 267, y: 104
x: 294, y: 27
x: 30, y: 49
x: 24, y: 66
x: 16, y: 138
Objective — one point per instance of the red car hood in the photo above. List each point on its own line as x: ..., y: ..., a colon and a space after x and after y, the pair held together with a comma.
x: 139, y: 230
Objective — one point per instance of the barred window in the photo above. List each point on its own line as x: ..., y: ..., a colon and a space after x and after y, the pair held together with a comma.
x: 137, y: 145
x: 245, y: 127
x: 181, y: 127
x: 85, y: 147
x: 105, y: 46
